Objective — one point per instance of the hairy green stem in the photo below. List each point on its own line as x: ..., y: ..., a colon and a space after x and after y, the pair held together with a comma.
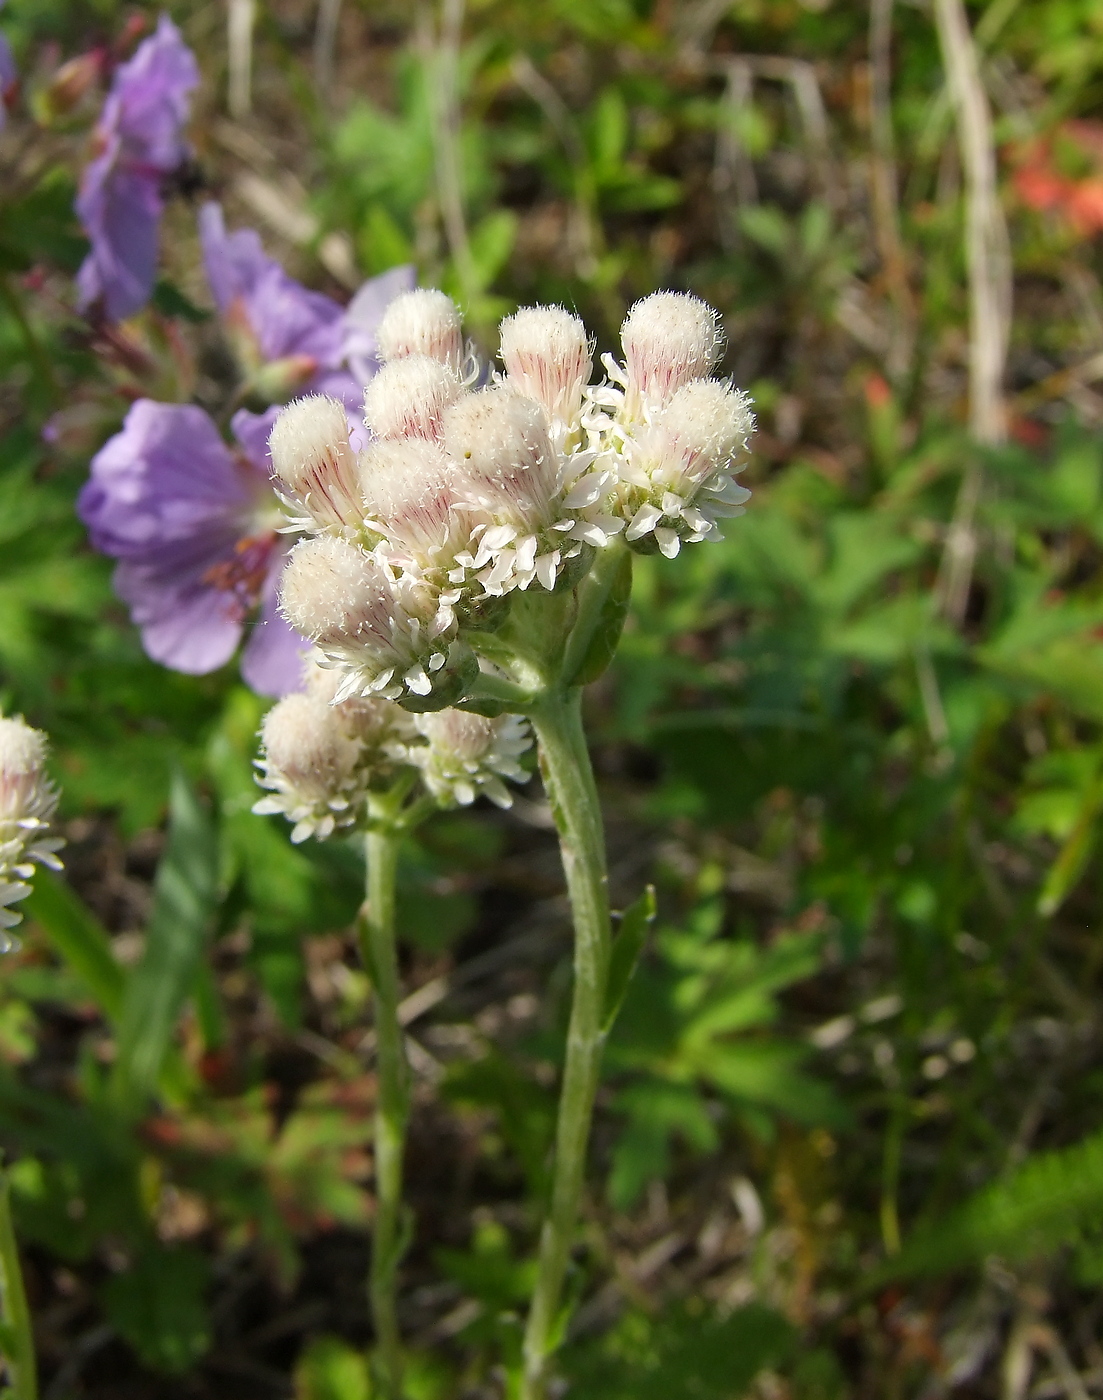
x: 569, y: 781
x: 376, y: 930
x: 18, y: 1341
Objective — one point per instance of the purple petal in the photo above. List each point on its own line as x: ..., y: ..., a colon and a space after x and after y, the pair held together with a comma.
x: 272, y: 663
x: 9, y: 77
x: 185, y: 624
x: 164, y: 479
x: 139, y: 137
x: 286, y: 318
x: 252, y: 431
x: 121, y: 213
x: 364, y: 313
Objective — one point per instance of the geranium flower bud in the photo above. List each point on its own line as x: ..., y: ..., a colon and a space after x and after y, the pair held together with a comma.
x: 422, y: 322
x: 312, y: 457
x: 388, y: 637
x: 669, y: 338
x: 680, y: 471
x: 408, y: 397
x: 310, y: 765
x: 410, y: 496
x: 548, y: 358
x: 27, y: 804
x: 467, y: 755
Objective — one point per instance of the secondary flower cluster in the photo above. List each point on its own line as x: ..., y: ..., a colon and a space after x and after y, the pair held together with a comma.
x: 321, y: 758
x: 28, y: 801
x: 465, y: 496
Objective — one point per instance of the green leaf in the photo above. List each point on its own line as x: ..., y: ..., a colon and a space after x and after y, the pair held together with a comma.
x: 184, y: 901
x: 606, y: 635
x: 635, y: 924
x: 1030, y: 1214
x: 329, y: 1369
x: 77, y: 935
x: 158, y: 1308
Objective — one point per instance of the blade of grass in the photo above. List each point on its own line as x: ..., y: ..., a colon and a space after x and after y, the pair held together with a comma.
x: 185, y: 893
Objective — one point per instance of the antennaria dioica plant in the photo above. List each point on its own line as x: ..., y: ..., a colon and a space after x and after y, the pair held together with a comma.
x: 472, y: 568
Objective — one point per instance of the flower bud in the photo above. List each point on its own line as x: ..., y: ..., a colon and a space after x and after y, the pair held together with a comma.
x: 388, y: 637
x: 410, y: 497
x: 27, y: 804
x: 508, y: 464
x: 422, y: 322
x: 331, y: 590
x: 467, y: 755
x: 669, y: 338
x: 547, y: 356
x: 312, y: 457
x: 309, y: 763
x: 680, y: 470
x: 278, y: 379
x: 407, y: 397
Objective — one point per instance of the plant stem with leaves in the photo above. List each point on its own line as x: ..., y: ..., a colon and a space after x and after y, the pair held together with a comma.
x: 377, y: 943
x: 17, y: 1339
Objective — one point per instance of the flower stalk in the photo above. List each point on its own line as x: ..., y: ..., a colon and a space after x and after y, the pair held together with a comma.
x: 569, y: 781
x: 17, y: 1342
x: 376, y: 931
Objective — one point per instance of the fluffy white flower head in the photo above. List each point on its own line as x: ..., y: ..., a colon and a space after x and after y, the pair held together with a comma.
x: 680, y: 472
x: 27, y: 804
x: 412, y: 500
x: 309, y: 764
x: 422, y: 322
x: 509, y: 465
x: 548, y: 357
x: 312, y: 458
x: 467, y: 755
x: 669, y: 338
x: 407, y: 398
x: 387, y: 636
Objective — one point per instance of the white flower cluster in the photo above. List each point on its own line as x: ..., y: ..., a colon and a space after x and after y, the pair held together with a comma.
x: 466, y: 495
x: 321, y: 757
x: 28, y: 801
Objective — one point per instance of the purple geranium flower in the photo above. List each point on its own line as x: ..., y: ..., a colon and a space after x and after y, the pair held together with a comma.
x: 285, y: 321
x: 193, y: 524
x: 138, y: 143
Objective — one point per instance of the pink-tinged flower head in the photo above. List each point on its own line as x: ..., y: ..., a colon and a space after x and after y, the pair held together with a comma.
x: 679, y: 472
x: 138, y: 144
x: 669, y: 338
x: 411, y: 499
x: 193, y: 524
x: 466, y: 755
x: 28, y: 801
x: 310, y: 766
x: 509, y: 465
x: 547, y: 356
x: 422, y: 322
x: 385, y: 635
x: 314, y: 461
x: 408, y: 397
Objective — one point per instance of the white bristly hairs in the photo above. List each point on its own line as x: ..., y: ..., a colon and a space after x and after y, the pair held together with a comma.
x: 407, y: 398
x: 309, y: 763
x: 28, y: 801
x: 467, y: 755
x: 548, y: 357
x: 422, y: 322
x: 315, y: 463
x: 669, y: 339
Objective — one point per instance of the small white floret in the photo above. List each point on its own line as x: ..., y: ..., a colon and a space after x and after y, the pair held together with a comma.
x: 28, y: 801
x: 467, y: 755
